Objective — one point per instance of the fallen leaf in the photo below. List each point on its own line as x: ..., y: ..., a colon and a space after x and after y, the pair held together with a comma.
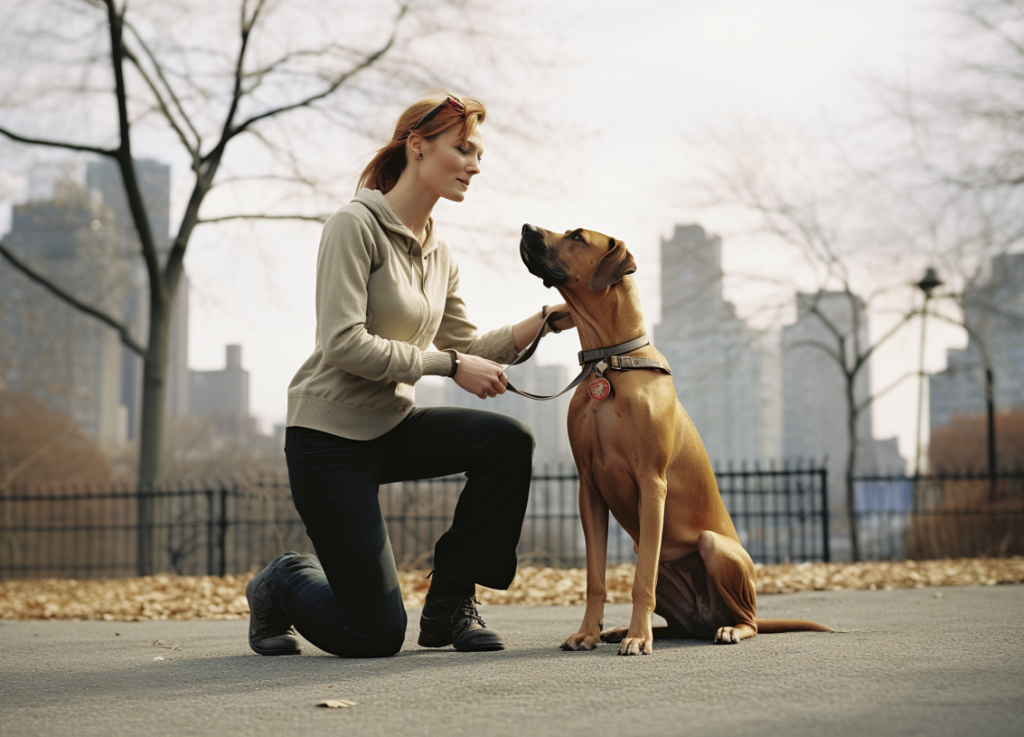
x: 156, y: 598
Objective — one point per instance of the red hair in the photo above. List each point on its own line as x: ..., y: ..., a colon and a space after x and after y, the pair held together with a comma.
x: 389, y: 162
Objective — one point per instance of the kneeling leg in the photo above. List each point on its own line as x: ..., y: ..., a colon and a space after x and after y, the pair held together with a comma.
x: 731, y: 573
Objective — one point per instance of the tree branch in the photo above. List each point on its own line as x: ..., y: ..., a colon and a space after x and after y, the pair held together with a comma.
x: 162, y: 105
x: 242, y: 216
x: 367, y: 61
x: 864, y: 405
x: 57, y: 144
x: 189, y: 146
x: 862, y: 358
x: 136, y: 205
x: 816, y: 344
x: 35, y: 276
x: 167, y: 85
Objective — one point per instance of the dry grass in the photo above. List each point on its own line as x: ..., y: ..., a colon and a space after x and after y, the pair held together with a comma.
x: 212, y: 597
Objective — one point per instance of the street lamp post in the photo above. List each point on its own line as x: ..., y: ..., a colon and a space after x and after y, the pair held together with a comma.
x: 928, y: 283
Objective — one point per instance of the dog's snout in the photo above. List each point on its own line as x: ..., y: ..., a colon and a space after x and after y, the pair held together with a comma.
x: 527, y: 228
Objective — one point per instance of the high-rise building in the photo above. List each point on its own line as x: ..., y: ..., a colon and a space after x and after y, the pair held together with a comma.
x: 154, y: 179
x: 814, y: 386
x: 77, y: 230
x: 726, y: 374
x: 223, y: 395
x: 65, y: 358
x: 994, y: 309
x: 815, y: 410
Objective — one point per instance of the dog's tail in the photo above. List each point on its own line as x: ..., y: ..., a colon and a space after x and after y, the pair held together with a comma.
x: 775, y: 626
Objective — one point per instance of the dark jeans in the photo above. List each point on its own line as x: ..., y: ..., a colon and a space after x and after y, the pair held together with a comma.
x: 349, y: 603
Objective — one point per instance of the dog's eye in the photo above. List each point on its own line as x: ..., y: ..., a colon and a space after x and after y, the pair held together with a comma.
x: 577, y: 235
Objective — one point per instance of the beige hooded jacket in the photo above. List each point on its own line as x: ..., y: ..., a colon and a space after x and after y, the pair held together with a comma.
x: 381, y: 300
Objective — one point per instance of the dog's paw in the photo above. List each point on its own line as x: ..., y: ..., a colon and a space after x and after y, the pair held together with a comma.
x: 636, y: 646
x: 614, y: 635
x: 727, y: 636
x: 581, y: 641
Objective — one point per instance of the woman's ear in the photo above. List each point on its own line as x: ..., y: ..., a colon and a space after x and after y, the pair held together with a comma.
x: 414, y: 146
x: 613, y: 266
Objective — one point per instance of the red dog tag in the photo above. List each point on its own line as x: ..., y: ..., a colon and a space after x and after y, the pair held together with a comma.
x: 599, y: 389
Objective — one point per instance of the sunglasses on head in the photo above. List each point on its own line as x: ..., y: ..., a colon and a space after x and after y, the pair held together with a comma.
x: 448, y: 102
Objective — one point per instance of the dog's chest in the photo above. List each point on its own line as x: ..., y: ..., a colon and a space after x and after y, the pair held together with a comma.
x: 599, y: 432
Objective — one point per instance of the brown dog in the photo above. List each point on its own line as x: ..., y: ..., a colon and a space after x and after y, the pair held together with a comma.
x: 640, y: 457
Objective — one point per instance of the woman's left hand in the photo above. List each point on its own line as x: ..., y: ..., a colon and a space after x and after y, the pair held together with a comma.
x: 523, y: 332
x: 562, y: 323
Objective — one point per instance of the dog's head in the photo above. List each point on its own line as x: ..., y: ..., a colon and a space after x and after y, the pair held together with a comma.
x: 575, y: 259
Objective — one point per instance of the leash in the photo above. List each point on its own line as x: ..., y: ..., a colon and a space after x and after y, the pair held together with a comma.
x: 597, y: 360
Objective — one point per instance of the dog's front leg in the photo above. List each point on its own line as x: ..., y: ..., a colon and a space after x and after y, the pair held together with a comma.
x: 594, y: 517
x: 640, y: 638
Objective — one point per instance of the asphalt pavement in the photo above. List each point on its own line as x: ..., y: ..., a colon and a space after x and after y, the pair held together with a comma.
x: 929, y: 661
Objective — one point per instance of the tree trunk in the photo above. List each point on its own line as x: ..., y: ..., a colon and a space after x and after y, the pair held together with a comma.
x: 851, y: 465
x: 152, y: 507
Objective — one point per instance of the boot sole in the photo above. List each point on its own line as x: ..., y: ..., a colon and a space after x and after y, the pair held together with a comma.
x: 261, y: 651
x: 428, y: 639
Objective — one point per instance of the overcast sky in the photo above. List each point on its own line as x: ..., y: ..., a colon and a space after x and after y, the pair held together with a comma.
x: 638, y: 81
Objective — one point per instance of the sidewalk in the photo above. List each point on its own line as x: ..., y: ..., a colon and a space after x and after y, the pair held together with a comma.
x: 929, y: 661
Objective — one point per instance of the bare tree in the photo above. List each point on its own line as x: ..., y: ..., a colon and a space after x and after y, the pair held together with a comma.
x: 966, y: 121
x: 173, y: 64
x: 805, y: 200
x: 957, y: 169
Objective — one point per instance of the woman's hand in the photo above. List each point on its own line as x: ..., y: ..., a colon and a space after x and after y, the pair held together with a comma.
x: 562, y: 323
x: 480, y: 377
x: 524, y: 332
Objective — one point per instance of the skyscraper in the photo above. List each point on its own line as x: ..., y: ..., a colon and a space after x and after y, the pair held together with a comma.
x: 815, y: 408
x: 726, y: 375
x: 814, y: 387
x: 65, y: 358
x: 223, y: 395
x: 76, y: 229
x: 103, y: 176
x: 994, y: 309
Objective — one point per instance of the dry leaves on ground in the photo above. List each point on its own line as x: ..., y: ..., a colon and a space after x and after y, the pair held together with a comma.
x: 223, y: 597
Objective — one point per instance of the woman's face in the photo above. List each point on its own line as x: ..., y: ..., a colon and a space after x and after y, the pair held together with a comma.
x: 450, y: 163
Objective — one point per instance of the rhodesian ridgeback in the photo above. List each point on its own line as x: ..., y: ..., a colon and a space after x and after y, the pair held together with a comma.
x: 639, y: 456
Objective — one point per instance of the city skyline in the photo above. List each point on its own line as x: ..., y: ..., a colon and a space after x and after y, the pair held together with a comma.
x: 731, y: 379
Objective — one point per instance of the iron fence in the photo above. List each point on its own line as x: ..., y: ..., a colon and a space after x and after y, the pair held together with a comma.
x: 234, y: 527
x: 954, y: 515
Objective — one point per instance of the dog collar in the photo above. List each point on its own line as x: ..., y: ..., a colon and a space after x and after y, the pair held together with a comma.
x: 599, y: 353
x: 597, y: 360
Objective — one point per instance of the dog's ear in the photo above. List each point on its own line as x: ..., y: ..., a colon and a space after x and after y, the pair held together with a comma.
x: 616, y: 264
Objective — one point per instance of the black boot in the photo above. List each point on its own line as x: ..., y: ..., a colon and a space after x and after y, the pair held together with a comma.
x: 270, y: 632
x: 450, y: 617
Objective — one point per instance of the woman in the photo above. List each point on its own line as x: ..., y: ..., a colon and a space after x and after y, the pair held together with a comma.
x: 386, y: 288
